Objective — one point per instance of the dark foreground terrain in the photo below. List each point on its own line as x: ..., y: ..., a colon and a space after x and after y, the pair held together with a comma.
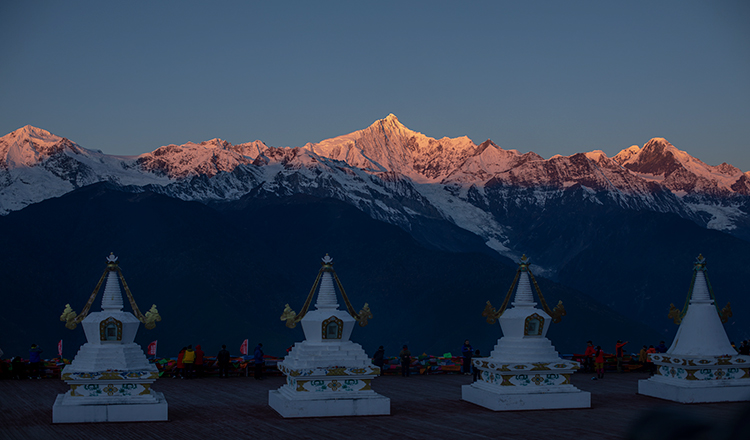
x: 421, y: 407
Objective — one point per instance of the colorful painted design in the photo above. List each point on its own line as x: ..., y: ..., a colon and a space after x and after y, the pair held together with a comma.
x: 333, y: 385
x: 331, y: 371
x: 112, y: 375
x: 534, y: 366
x: 540, y: 379
x: 110, y: 390
x: 703, y: 374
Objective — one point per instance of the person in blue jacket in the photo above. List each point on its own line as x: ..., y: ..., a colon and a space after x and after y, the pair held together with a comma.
x: 661, y: 348
x: 259, y: 361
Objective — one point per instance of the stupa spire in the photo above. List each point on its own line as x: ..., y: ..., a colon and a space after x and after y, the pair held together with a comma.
x: 524, y: 296
x: 112, y: 297
x: 327, y: 292
x: 700, y: 293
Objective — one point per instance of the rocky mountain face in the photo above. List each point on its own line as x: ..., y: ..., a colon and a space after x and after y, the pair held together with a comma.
x: 398, y: 176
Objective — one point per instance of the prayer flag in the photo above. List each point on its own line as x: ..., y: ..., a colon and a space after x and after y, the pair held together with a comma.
x: 243, y: 348
x: 59, y: 348
x: 152, y: 348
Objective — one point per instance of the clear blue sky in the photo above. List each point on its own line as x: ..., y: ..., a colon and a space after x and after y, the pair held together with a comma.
x: 554, y: 77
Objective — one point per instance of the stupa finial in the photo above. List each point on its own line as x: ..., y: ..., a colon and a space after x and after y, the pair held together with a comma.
x: 700, y: 263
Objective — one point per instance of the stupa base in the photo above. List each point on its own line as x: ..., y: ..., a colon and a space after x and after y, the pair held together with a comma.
x: 695, y: 392
x: 67, y: 410
x: 364, y: 404
x: 497, y: 400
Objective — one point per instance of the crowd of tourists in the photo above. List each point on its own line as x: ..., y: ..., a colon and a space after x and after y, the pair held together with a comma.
x: 191, y: 363
x: 594, y: 358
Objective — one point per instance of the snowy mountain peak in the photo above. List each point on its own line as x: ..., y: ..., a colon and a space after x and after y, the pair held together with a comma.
x: 596, y: 155
x: 206, y: 158
x: 33, y: 132
x: 216, y: 143
x: 658, y: 157
x: 389, y: 146
x: 30, y: 145
x: 625, y: 155
x: 677, y: 170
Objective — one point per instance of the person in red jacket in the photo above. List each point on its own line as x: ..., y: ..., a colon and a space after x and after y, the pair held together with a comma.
x: 178, y: 371
x: 588, y: 357
x: 618, y: 354
x: 199, y: 361
x: 599, y: 362
x: 651, y: 365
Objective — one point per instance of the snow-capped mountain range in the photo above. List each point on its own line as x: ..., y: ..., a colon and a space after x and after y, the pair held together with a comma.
x: 393, y: 174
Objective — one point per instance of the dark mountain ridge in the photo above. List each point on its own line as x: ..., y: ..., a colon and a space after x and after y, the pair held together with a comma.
x: 219, y: 277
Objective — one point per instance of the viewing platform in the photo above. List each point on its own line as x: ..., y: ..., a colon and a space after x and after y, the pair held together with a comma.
x: 421, y: 407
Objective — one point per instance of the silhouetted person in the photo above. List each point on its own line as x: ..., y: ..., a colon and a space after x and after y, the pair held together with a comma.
x: 466, y: 352
x: 477, y: 372
x: 18, y: 370
x: 223, y: 360
x: 379, y: 359
x: 661, y: 348
x: 199, y: 360
x: 643, y: 357
x: 188, y: 359
x: 651, y: 364
x: 405, y: 356
x: 588, y: 357
x: 259, y: 361
x: 180, y: 368
x: 35, y: 361
x: 599, y: 362
x: 619, y: 355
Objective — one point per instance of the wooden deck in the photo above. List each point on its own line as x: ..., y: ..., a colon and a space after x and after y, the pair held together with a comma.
x: 421, y: 407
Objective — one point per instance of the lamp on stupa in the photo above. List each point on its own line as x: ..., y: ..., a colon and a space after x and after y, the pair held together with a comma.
x: 524, y: 371
x: 327, y: 374
x: 110, y: 378
x: 701, y: 365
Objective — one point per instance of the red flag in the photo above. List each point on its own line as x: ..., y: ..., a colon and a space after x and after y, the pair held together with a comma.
x: 151, y: 348
x: 59, y: 348
x: 243, y: 348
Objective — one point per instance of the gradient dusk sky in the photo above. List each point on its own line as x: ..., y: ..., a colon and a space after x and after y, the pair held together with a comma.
x: 553, y: 77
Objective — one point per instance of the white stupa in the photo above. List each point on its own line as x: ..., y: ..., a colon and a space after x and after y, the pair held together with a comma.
x: 524, y: 371
x: 327, y: 374
x: 110, y: 378
x: 701, y: 365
